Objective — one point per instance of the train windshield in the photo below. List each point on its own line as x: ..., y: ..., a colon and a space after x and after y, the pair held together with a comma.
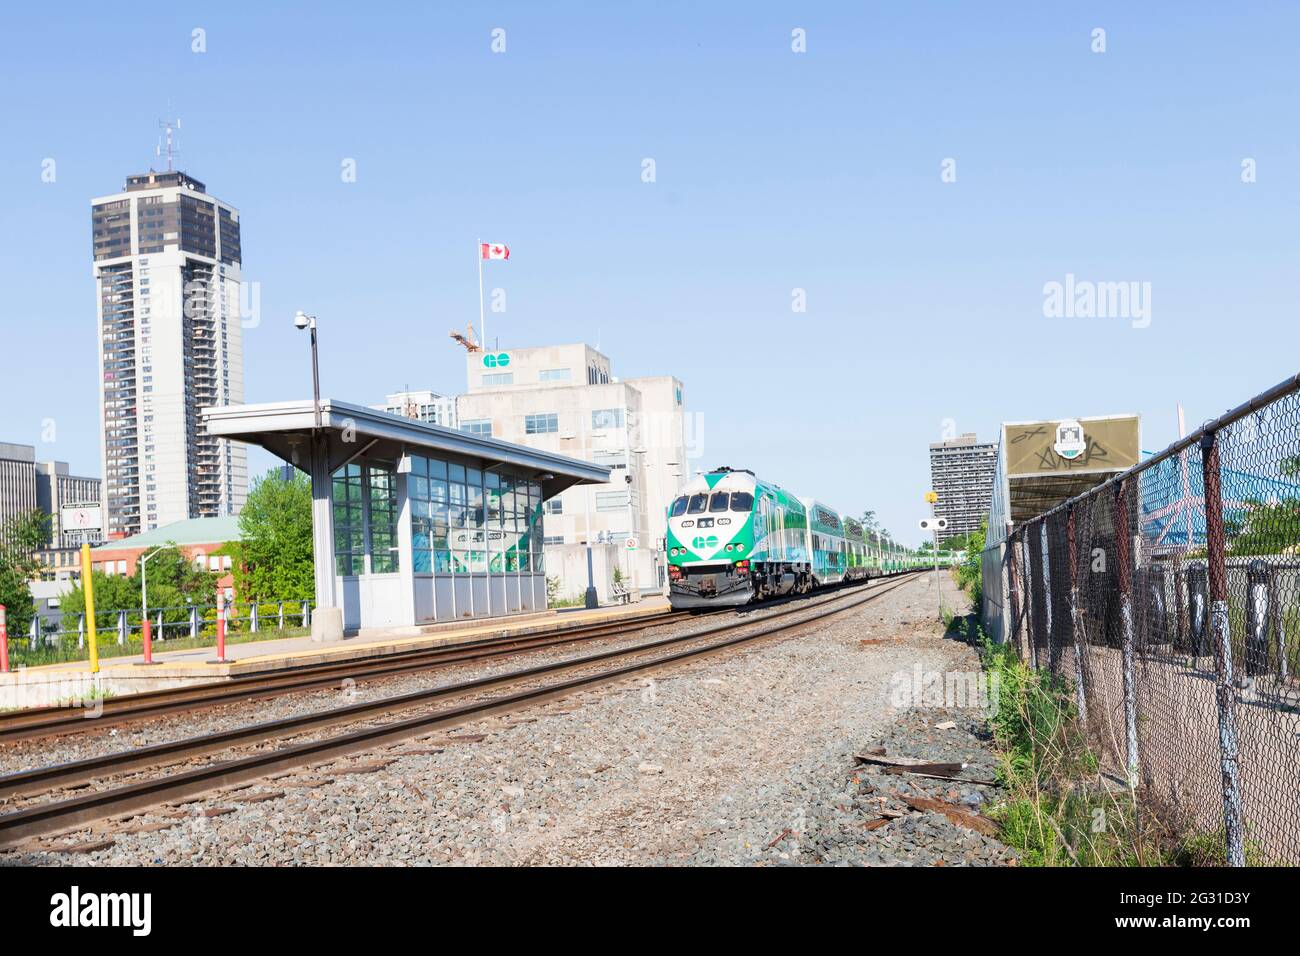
x: 679, y: 507
x: 742, y: 501
x: 697, y: 504
x: 719, y: 501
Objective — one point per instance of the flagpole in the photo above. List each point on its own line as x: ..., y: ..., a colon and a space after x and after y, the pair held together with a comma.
x: 482, y: 330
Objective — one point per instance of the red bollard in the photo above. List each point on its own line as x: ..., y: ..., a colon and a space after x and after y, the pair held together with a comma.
x: 4, y: 640
x: 221, y: 628
x: 146, y: 631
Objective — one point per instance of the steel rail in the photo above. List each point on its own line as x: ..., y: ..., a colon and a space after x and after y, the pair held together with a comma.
x: 76, y: 811
x: 47, y: 722
x: 72, y: 773
x: 60, y: 721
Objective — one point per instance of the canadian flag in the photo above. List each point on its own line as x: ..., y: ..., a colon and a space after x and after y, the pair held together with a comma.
x: 493, y: 250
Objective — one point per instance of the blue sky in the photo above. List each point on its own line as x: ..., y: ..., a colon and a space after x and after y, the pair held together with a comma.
x: 774, y: 171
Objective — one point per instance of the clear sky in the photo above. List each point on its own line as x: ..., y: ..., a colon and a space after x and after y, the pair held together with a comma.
x: 774, y: 171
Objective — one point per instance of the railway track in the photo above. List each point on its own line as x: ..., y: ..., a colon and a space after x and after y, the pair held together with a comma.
x: 59, y: 721
x: 276, y: 749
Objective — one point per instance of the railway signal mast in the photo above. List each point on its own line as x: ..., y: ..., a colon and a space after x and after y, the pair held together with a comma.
x: 934, y: 525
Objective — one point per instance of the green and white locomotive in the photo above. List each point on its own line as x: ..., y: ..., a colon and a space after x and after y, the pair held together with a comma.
x: 734, y: 538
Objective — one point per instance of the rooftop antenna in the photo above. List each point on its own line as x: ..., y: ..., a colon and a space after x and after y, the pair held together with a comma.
x: 172, y: 147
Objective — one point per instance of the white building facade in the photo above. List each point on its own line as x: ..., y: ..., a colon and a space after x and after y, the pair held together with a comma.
x: 421, y: 405
x: 167, y: 263
x: 565, y: 399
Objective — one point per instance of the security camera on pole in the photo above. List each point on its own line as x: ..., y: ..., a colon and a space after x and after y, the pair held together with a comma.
x: 934, y: 525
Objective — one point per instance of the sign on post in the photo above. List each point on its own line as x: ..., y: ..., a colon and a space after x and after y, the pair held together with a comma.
x: 934, y: 524
x: 88, y: 517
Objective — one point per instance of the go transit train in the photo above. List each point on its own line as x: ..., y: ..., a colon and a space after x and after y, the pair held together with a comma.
x: 734, y: 538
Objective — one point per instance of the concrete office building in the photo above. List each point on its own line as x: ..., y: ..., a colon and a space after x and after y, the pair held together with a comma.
x: 422, y: 406
x: 961, y: 473
x: 17, y: 480
x: 565, y: 399
x: 27, y: 484
x: 167, y: 270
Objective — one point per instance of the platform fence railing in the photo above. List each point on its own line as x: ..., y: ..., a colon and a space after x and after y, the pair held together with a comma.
x: 191, y: 622
x: 1169, y: 597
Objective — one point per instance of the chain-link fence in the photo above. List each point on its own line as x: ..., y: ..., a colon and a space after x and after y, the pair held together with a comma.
x: 1170, y: 597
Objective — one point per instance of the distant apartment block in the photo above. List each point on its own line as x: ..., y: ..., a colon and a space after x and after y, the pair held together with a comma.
x: 167, y: 270
x: 961, y: 473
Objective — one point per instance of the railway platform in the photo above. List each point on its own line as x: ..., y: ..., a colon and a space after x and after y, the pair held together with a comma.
x: 70, y: 682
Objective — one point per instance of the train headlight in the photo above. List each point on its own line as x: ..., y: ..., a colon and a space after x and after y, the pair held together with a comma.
x: 731, y: 547
x: 739, y: 546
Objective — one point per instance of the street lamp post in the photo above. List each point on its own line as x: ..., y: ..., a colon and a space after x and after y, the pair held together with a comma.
x: 304, y: 321
x: 327, y: 619
x: 144, y: 583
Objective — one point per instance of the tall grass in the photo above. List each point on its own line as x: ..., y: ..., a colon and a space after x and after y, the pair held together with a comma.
x: 1060, y: 810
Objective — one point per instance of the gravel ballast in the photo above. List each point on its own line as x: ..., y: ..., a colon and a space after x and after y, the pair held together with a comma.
x: 743, y: 758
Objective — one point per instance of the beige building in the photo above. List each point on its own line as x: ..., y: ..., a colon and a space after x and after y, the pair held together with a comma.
x: 565, y: 399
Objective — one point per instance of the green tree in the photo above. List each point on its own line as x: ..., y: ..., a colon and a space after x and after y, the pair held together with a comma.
x: 273, y: 559
x: 970, y: 573
x: 1268, y: 528
x: 21, y: 536
x: 174, y: 584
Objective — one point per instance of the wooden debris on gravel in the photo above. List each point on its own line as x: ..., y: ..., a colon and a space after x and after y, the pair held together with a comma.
x: 965, y: 818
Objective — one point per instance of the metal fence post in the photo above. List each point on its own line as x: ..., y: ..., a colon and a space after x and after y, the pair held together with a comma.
x: 81, y: 630
x: 252, y: 617
x: 161, y: 635
x: 280, y: 611
x: 1080, y: 691
x: 1029, y: 601
x: 1047, y: 597
x: 1013, y: 597
x: 1157, y: 617
x: 306, y: 614
x: 1181, y: 641
x: 1275, y: 615
x: 1124, y: 576
x: 34, y: 631
x: 1257, y: 617
x: 122, y: 627
x: 194, y: 621
x: 1220, y: 627
x: 1197, y: 586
